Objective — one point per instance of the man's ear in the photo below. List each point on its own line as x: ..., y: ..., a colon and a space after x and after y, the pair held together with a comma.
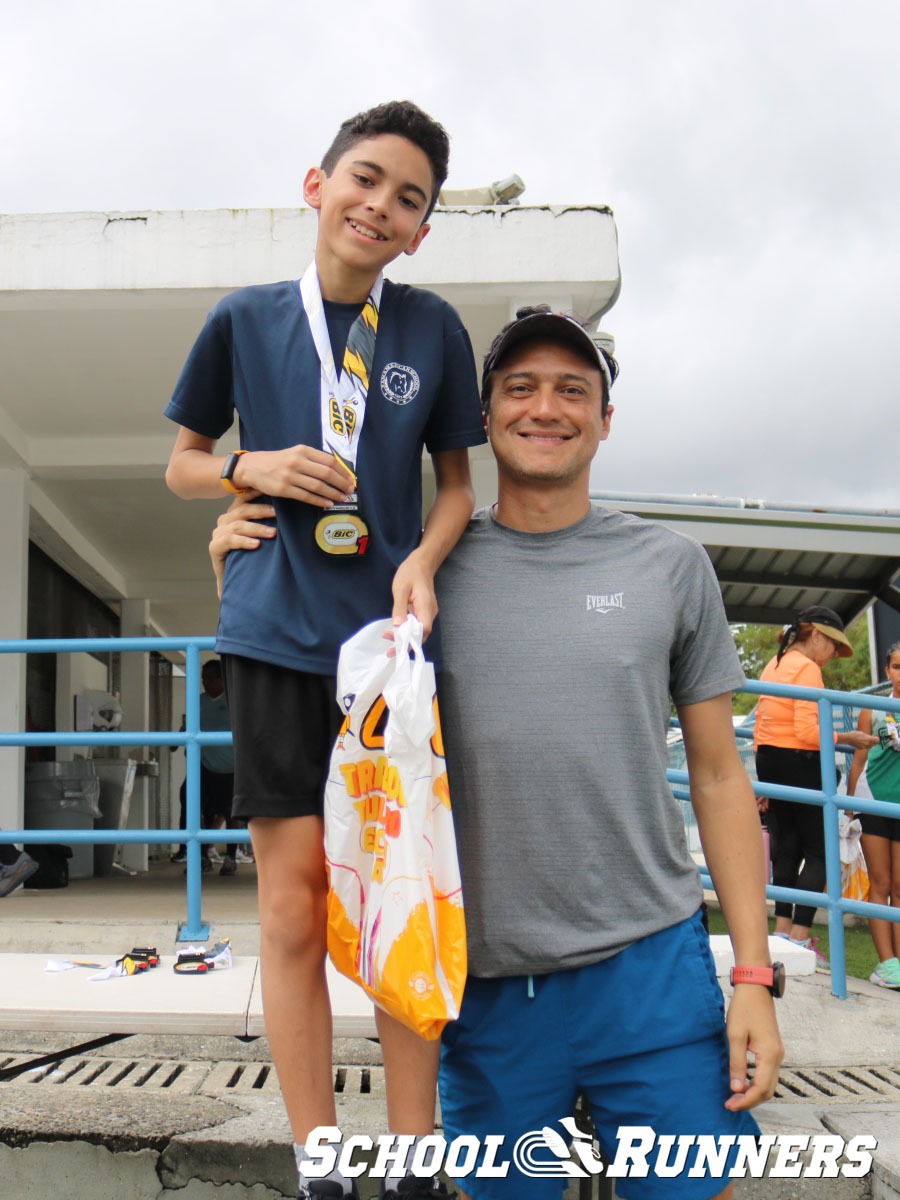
x: 418, y: 239
x: 312, y: 186
x: 606, y: 422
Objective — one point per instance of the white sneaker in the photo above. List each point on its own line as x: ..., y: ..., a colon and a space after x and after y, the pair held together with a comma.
x: 243, y: 857
x: 214, y: 855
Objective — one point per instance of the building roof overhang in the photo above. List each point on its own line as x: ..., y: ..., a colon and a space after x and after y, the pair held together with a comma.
x: 774, y: 559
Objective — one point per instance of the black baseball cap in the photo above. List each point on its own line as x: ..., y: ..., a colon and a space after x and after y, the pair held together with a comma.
x: 541, y: 322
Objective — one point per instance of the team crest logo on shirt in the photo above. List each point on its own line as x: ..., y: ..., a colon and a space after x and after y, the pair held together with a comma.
x: 399, y: 383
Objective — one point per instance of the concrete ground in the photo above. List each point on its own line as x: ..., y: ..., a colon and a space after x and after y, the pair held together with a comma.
x: 144, y: 909
x: 150, y: 1116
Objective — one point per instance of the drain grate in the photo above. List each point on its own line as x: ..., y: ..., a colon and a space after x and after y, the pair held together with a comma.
x: 839, y: 1084
x: 184, y: 1078
x: 834, y: 1085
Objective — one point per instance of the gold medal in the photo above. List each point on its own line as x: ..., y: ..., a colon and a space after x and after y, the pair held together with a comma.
x: 342, y: 533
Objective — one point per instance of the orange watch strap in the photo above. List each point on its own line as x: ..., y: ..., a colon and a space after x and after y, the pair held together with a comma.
x: 763, y: 975
x: 231, y: 462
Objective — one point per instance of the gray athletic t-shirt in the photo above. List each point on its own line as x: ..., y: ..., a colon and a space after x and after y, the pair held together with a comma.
x: 561, y: 653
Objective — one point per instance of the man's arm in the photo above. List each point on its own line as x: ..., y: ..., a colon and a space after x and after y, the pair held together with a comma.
x: 297, y: 473
x: 239, y: 527
x: 413, y: 585
x: 723, y: 803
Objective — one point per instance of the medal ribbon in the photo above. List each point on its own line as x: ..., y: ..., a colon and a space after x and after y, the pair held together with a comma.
x: 342, y: 395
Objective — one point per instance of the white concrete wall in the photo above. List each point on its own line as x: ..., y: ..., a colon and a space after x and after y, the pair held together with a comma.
x: 172, y: 765
x: 13, y: 624
x: 75, y: 673
x: 136, y: 707
x: 493, y: 247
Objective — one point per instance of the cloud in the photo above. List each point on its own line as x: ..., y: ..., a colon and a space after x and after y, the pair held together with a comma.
x: 747, y: 150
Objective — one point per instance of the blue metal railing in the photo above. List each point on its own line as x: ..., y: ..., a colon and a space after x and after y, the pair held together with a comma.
x: 831, y: 802
x: 193, y: 737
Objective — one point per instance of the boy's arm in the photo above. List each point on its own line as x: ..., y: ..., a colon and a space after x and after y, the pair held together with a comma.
x: 297, y: 473
x: 413, y: 585
x: 722, y: 798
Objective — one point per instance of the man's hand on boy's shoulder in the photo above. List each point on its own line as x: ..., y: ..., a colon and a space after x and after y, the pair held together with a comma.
x: 297, y: 473
x: 239, y: 527
x: 413, y: 590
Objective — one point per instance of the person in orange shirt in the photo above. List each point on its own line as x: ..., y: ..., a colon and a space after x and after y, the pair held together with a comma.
x: 787, y: 752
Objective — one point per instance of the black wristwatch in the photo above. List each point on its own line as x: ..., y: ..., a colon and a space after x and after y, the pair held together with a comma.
x: 771, y: 977
x: 228, y: 473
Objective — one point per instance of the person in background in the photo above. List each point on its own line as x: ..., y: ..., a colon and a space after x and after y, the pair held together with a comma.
x: 15, y: 867
x: 881, y: 835
x: 216, y: 762
x: 216, y: 773
x: 787, y: 752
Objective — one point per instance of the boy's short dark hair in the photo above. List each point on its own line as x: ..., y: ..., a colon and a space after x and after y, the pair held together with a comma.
x: 404, y: 119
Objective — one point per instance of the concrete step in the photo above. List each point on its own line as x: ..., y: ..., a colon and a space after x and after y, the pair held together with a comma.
x: 202, y: 1116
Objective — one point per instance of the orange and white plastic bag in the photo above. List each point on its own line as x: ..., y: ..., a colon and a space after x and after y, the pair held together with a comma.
x: 854, y: 875
x: 395, y: 912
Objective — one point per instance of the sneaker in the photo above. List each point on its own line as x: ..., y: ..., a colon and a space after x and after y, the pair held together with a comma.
x: 205, y: 866
x: 228, y: 867
x: 243, y: 857
x: 413, y: 1188
x: 326, y: 1189
x: 178, y: 857
x: 16, y: 873
x: 214, y: 855
x: 887, y: 973
x: 823, y: 966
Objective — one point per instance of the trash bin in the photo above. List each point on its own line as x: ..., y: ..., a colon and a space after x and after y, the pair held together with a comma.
x: 116, y: 776
x: 64, y: 795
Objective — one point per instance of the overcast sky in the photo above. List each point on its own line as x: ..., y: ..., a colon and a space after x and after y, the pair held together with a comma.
x: 748, y: 150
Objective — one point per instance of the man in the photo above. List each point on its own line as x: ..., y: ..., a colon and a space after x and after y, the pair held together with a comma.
x: 566, y: 631
x: 216, y: 772
x: 216, y: 762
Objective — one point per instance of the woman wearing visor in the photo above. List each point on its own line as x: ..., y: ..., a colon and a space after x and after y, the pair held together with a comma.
x: 787, y: 752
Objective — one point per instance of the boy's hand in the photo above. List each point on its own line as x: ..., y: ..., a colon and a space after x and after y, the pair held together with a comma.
x: 238, y: 528
x: 298, y: 473
x: 413, y: 589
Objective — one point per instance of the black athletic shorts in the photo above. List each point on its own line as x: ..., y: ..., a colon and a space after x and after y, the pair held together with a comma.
x: 216, y: 793
x: 284, y: 724
x: 878, y: 826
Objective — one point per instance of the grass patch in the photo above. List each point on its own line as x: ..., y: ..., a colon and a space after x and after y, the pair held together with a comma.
x: 858, y: 946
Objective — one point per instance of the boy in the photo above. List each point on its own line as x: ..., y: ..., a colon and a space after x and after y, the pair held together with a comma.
x: 337, y: 452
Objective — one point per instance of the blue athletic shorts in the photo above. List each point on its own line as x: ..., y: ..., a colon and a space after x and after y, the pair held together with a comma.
x: 641, y: 1035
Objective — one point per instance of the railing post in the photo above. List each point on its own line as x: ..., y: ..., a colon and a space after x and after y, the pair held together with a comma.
x: 193, y: 929
x: 836, y: 948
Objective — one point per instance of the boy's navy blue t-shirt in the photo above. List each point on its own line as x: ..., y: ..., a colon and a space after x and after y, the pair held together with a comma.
x: 287, y: 602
